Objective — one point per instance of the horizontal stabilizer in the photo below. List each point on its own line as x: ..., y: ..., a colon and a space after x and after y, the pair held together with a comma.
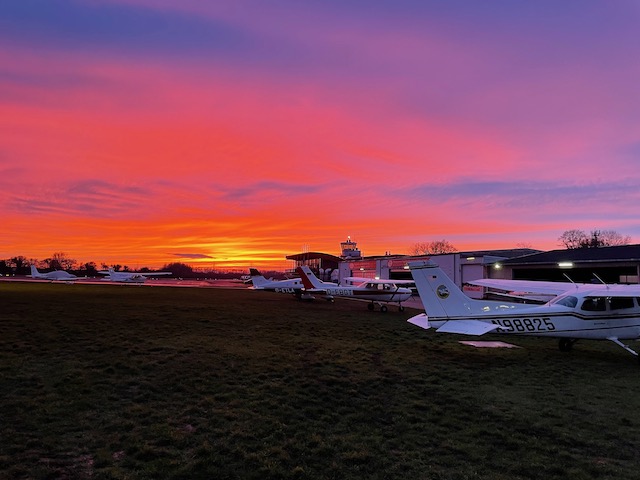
x: 421, y: 321
x: 467, y: 327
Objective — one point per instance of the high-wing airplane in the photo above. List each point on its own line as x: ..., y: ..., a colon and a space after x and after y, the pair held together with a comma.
x: 293, y: 285
x: 129, y: 277
x: 377, y: 292
x: 596, y: 312
x: 55, y: 276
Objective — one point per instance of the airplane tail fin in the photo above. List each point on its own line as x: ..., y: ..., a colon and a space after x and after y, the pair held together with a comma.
x: 257, y: 279
x: 309, y: 280
x: 34, y: 271
x: 442, y: 299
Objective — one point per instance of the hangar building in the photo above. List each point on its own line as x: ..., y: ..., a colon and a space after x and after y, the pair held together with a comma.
x: 619, y: 264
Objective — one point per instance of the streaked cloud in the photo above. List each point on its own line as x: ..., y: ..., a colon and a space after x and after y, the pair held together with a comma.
x: 240, y: 130
x: 193, y: 256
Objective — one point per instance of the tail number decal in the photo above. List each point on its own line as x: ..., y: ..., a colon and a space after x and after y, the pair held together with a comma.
x: 342, y: 292
x: 526, y: 324
x: 285, y: 290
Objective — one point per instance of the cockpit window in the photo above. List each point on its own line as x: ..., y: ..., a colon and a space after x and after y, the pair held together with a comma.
x: 620, y: 303
x: 594, y: 304
x: 568, y: 301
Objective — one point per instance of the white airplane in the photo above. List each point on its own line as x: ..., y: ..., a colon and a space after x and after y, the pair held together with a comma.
x: 56, y: 275
x: 596, y: 312
x: 129, y: 277
x: 378, y: 292
x: 293, y: 285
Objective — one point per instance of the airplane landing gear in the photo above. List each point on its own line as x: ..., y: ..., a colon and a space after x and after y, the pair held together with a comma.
x: 566, y: 344
x: 372, y: 307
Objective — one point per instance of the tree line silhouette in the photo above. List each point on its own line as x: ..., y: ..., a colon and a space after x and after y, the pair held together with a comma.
x: 21, y: 265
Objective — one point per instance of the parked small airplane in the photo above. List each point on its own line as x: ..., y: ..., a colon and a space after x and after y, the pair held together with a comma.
x: 596, y: 312
x: 378, y: 292
x: 56, y: 275
x: 129, y: 277
x: 292, y: 285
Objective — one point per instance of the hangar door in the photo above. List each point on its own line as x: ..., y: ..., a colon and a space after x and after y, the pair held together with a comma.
x: 472, y: 272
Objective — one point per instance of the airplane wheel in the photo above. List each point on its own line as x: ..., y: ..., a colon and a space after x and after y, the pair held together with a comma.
x: 370, y: 306
x: 565, y: 344
x: 383, y: 308
x: 401, y: 308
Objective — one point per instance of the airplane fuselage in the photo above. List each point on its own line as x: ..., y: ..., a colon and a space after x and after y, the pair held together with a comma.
x: 562, y: 323
x: 375, y: 295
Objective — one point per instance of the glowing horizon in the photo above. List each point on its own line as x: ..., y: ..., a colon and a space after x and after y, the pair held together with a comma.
x: 236, y: 132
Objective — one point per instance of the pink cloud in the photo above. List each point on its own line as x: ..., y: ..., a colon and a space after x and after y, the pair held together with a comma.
x: 225, y: 155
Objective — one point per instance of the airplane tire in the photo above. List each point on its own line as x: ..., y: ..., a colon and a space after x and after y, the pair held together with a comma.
x: 401, y: 308
x: 565, y: 344
x: 370, y: 306
x: 383, y: 308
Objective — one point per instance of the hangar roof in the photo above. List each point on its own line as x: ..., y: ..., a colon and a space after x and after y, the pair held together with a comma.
x: 312, y: 256
x: 510, y: 253
x: 624, y: 253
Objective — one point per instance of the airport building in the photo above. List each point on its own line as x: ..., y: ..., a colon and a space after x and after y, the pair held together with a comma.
x: 461, y: 267
x: 620, y: 264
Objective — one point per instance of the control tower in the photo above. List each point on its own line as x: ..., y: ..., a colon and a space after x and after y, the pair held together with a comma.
x: 350, y: 250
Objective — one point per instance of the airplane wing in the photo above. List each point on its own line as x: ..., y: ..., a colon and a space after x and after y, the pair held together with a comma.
x: 315, y: 290
x: 612, y: 291
x: 526, y: 286
x: 379, y: 280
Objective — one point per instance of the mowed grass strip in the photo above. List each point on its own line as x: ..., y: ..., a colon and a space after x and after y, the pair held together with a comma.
x: 103, y: 381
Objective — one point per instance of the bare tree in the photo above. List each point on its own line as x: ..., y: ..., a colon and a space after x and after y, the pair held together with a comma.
x: 60, y: 261
x: 420, y: 248
x: 572, y: 238
x: 611, y: 238
x: 19, y: 264
x: 597, y: 238
x: 89, y: 269
x: 432, y: 248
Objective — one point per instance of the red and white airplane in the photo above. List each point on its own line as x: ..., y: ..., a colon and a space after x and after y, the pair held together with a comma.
x: 377, y: 292
x: 583, y: 311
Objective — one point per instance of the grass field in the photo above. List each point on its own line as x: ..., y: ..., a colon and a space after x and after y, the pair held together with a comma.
x: 102, y: 381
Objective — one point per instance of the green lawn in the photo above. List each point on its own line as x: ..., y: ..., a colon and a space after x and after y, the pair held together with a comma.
x: 103, y: 381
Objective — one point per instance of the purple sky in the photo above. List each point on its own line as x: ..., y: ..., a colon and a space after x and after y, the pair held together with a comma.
x: 143, y: 132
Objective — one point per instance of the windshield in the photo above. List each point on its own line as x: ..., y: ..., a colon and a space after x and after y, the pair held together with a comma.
x: 565, y: 300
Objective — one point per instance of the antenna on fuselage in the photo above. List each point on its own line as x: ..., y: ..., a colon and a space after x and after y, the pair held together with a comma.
x: 600, y: 280
x: 569, y: 278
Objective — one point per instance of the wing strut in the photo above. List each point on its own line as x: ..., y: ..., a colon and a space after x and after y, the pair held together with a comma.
x: 626, y: 347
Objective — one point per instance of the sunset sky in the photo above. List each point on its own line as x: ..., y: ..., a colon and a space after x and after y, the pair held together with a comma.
x: 232, y: 133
